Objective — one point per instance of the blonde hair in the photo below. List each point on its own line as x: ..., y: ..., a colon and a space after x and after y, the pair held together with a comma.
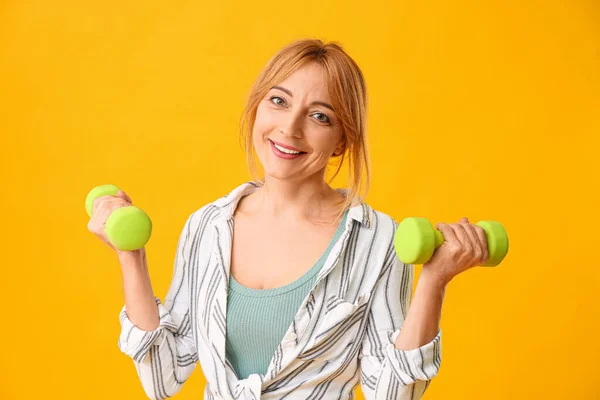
x: 348, y: 94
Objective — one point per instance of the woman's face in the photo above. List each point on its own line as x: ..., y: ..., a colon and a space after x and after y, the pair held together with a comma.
x: 296, y: 114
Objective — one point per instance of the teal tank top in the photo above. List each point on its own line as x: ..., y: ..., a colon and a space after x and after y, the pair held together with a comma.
x: 258, y: 319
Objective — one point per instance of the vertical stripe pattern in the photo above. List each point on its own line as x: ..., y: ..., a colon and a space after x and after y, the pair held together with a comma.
x: 342, y: 335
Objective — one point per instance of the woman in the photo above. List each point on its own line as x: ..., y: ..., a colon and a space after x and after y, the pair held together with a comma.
x: 309, y: 299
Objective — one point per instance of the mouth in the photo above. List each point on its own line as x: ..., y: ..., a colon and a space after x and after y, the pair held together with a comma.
x: 285, y: 153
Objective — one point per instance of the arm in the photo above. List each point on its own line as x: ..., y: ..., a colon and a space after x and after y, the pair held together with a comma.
x: 401, y: 350
x: 139, y: 297
x: 423, y: 320
x: 158, y: 338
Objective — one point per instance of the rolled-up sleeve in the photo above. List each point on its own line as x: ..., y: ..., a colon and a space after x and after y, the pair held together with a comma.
x: 387, y: 372
x: 136, y: 342
x: 165, y: 357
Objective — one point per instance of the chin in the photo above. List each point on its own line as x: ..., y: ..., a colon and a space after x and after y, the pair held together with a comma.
x: 279, y: 174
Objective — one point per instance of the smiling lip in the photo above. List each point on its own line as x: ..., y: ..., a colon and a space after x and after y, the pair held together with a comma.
x: 286, y: 147
x: 283, y: 155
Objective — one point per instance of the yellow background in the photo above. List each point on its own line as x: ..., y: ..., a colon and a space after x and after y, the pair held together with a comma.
x: 488, y: 110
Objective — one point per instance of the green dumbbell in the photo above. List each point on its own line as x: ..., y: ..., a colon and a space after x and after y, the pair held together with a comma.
x: 415, y: 241
x: 127, y: 228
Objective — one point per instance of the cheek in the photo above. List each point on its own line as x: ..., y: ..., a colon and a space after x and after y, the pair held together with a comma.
x: 262, y: 123
x: 325, y: 143
x: 257, y: 137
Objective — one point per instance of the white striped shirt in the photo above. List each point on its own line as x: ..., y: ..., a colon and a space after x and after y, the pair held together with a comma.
x: 343, y: 333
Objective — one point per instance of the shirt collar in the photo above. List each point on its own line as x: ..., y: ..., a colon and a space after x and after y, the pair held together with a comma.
x: 362, y: 212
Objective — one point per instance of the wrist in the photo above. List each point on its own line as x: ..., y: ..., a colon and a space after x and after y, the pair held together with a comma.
x: 131, y: 259
x: 433, y: 280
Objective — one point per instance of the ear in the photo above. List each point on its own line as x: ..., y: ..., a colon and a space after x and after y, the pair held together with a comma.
x: 341, y: 147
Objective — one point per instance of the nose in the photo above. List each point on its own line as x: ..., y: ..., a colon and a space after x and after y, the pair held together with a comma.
x: 291, y: 125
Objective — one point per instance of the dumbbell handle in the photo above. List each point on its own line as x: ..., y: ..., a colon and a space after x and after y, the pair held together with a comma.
x: 495, y: 255
x: 416, y: 240
x: 439, y: 238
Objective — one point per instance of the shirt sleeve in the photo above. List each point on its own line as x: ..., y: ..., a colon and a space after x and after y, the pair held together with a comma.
x: 386, y: 372
x: 165, y: 357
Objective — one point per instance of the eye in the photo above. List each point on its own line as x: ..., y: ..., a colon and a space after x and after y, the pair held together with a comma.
x: 322, y: 117
x: 277, y: 100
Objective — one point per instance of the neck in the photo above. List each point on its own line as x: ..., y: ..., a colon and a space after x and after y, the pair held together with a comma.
x: 288, y: 200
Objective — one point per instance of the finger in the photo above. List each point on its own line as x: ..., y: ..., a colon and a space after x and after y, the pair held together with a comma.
x: 482, y: 237
x: 123, y: 195
x: 461, y: 234
x: 447, y: 232
x: 104, y: 210
x: 99, y: 203
x: 107, y: 206
x: 477, y: 237
x: 473, y: 240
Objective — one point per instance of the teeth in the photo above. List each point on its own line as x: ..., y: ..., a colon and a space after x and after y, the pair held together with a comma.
x: 284, y: 150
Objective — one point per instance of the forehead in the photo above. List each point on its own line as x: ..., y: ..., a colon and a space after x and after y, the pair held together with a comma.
x: 308, y: 80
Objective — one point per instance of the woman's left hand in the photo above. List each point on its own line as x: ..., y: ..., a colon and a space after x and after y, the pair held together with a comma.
x: 464, y: 247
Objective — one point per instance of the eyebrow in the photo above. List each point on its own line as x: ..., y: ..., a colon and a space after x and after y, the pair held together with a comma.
x: 319, y: 103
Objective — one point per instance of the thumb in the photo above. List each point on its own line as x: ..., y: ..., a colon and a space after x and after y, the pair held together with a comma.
x: 123, y: 195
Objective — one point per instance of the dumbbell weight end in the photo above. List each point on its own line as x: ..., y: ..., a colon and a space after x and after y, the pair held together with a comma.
x: 127, y: 228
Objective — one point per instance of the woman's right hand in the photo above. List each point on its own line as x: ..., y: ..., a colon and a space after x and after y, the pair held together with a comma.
x: 102, y: 208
